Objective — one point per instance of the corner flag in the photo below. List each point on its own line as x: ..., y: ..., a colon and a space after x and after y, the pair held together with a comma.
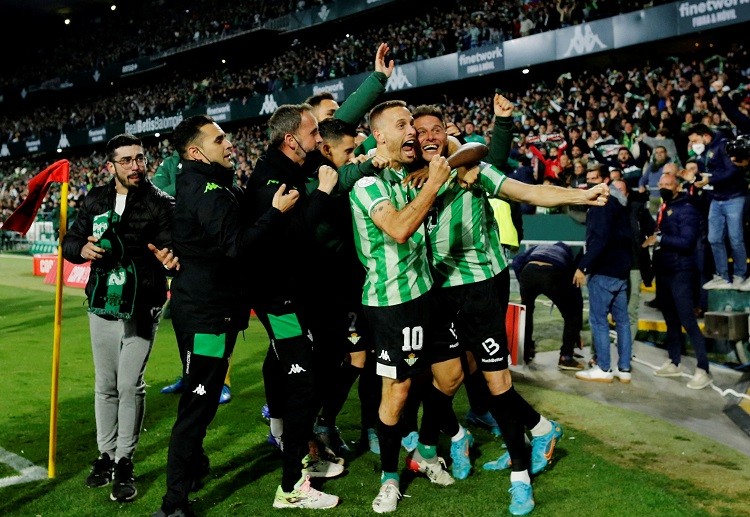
x: 20, y: 220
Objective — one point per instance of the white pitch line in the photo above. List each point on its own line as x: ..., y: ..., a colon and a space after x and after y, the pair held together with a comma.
x: 27, y: 470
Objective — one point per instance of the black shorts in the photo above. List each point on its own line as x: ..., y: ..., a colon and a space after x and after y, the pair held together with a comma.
x: 357, y: 331
x: 399, y: 334
x: 472, y: 315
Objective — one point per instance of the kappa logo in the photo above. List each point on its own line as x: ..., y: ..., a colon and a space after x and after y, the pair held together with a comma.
x: 583, y: 41
x: 398, y: 80
x: 210, y: 186
x: 323, y: 13
x: 296, y: 369
x: 269, y: 105
x: 63, y: 143
x: 384, y: 356
x: 200, y: 390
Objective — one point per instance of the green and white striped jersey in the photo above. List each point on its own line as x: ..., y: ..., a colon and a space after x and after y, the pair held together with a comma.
x: 396, y: 273
x: 463, y: 233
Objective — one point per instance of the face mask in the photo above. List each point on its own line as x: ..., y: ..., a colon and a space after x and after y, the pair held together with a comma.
x: 666, y: 194
x: 699, y: 148
x: 529, y: 155
x: 590, y: 185
x: 602, y: 120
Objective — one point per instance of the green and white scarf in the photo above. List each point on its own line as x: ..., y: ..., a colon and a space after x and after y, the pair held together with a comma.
x: 113, y: 292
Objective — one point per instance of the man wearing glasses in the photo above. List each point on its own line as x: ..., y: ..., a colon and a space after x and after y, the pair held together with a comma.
x: 125, y: 229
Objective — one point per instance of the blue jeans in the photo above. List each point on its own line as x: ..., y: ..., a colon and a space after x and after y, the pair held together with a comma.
x: 725, y: 217
x: 607, y: 295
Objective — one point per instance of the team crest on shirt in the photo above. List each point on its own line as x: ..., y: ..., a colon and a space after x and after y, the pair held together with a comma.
x: 411, y: 359
x: 365, y: 182
x: 354, y: 338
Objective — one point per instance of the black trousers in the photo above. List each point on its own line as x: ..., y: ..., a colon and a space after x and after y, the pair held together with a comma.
x: 289, y: 378
x: 204, y: 378
x: 557, y: 285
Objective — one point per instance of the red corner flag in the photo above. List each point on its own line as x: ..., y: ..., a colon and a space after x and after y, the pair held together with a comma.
x: 20, y: 220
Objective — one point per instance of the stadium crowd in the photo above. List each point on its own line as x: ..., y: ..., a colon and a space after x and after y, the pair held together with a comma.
x: 445, y: 27
x: 606, y: 110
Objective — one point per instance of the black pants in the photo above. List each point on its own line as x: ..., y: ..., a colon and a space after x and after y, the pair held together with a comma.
x: 557, y: 285
x: 289, y: 377
x: 204, y: 378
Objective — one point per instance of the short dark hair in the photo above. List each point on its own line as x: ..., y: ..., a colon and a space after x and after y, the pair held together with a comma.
x: 380, y: 108
x: 333, y: 129
x: 700, y: 129
x: 314, y: 100
x: 285, y: 120
x: 187, y: 131
x: 428, y: 110
x: 121, y: 140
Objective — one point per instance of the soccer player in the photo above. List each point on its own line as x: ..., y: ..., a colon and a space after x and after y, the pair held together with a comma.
x: 390, y: 237
x: 469, y: 307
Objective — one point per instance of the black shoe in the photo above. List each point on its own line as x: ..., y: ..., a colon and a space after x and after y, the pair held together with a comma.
x: 101, y: 471
x: 123, y: 488
x: 566, y: 362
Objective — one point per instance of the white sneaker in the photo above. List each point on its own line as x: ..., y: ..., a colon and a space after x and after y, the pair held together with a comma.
x: 669, y: 369
x: 320, y: 468
x: 745, y: 285
x: 737, y: 283
x: 700, y: 380
x: 435, y: 471
x: 717, y: 282
x: 623, y: 376
x: 596, y: 374
x: 387, y: 498
x: 304, y: 496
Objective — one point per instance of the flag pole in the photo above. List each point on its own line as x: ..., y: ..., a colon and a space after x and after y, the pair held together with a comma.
x: 57, y: 329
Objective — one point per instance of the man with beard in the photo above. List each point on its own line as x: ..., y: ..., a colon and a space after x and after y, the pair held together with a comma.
x: 209, y: 304
x: 390, y: 236
x: 284, y: 292
x: 472, y: 286
x: 114, y: 229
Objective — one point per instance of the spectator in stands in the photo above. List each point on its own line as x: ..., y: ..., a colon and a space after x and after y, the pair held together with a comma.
x: 124, y: 229
x: 470, y: 134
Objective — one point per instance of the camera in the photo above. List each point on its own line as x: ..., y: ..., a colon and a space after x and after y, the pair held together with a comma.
x: 739, y: 148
